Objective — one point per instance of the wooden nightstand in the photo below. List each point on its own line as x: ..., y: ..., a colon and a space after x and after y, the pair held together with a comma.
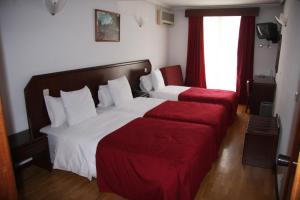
x: 24, y: 147
x: 138, y: 93
x: 263, y: 90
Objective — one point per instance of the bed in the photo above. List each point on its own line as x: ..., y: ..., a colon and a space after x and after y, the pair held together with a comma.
x: 73, y: 148
x: 138, y: 158
x: 182, y: 93
x: 213, y: 115
x: 165, y: 163
x: 133, y: 153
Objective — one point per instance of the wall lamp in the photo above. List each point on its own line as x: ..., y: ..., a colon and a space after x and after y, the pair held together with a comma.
x: 282, y: 19
x: 54, y: 6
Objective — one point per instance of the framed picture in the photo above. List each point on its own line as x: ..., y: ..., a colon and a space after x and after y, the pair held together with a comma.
x: 107, y: 26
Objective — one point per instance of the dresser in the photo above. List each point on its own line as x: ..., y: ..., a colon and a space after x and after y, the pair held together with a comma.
x: 262, y: 90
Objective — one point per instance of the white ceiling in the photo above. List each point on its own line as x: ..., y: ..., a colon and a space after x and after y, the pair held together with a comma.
x: 213, y: 3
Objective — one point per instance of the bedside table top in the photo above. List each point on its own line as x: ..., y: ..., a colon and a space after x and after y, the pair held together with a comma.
x: 138, y: 93
x: 22, y: 138
x: 24, y: 147
x: 264, y: 80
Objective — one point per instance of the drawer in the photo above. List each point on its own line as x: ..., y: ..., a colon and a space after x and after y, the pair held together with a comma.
x: 30, y: 150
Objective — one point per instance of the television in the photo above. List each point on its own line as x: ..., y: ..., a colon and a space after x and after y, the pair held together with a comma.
x: 267, y: 31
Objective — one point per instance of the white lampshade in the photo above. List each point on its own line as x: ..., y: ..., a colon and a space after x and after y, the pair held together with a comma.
x: 54, y: 6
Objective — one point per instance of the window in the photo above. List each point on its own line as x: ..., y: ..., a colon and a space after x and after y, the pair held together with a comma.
x: 220, y: 51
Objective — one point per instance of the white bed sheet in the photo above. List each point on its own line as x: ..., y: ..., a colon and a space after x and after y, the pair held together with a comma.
x: 170, y: 92
x: 74, y: 148
x: 140, y: 105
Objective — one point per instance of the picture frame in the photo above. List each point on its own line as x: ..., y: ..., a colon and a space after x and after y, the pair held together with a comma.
x: 107, y: 26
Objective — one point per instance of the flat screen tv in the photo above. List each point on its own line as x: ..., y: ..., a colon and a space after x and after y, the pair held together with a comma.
x: 267, y: 31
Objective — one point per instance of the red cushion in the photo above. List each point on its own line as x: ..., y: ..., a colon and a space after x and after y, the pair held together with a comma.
x: 172, y: 75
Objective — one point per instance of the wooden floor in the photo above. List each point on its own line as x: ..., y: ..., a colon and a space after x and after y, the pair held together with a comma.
x: 228, y: 178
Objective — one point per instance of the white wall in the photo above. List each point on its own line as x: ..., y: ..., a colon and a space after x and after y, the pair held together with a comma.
x: 3, y: 91
x: 35, y: 42
x: 288, y: 82
x: 264, y: 58
x: 288, y: 76
x: 178, y: 39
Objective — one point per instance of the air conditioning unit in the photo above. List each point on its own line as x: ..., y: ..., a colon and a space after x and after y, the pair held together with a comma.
x: 164, y: 16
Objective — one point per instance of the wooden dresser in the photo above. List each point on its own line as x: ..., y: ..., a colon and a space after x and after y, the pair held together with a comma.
x: 263, y: 90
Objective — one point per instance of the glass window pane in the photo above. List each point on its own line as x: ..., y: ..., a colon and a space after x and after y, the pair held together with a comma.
x: 220, y: 50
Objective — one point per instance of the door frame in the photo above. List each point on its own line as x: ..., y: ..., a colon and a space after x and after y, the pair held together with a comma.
x: 293, y: 153
x: 295, y: 194
x: 7, y: 184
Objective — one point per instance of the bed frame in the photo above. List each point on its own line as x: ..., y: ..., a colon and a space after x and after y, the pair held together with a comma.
x: 74, y: 80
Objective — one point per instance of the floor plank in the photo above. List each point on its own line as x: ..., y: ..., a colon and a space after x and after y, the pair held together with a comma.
x: 228, y: 178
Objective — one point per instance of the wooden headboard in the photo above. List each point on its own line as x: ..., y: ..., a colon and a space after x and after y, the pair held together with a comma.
x: 74, y: 80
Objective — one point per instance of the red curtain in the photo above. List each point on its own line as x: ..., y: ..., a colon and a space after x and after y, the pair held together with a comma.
x: 195, y: 67
x: 245, y: 56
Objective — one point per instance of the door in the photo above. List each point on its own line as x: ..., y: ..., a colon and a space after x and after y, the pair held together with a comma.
x: 7, y: 179
x: 292, y: 183
x: 295, y: 194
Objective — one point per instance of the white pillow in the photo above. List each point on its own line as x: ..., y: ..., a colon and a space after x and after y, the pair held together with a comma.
x: 104, y: 96
x: 146, y: 83
x: 120, y: 90
x: 55, y: 109
x: 79, y: 105
x: 157, y: 79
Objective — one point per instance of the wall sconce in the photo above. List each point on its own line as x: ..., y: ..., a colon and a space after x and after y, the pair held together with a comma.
x: 282, y: 20
x: 54, y: 6
x: 139, y: 20
x: 266, y: 44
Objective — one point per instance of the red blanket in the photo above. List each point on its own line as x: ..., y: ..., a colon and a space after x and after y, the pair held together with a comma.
x: 151, y: 159
x: 213, y: 115
x: 223, y: 97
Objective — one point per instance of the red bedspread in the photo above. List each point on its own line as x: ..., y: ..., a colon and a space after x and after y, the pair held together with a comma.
x: 213, y: 115
x: 151, y: 159
x: 223, y: 97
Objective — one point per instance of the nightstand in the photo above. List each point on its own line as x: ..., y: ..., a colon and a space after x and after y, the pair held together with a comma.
x: 24, y: 147
x: 138, y: 93
x: 263, y: 90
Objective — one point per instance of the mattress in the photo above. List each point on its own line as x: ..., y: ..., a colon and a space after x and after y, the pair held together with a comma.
x: 181, y: 93
x: 170, y: 92
x: 73, y: 148
x: 151, y: 159
x: 226, y: 98
x: 139, y: 105
x: 213, y: 115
